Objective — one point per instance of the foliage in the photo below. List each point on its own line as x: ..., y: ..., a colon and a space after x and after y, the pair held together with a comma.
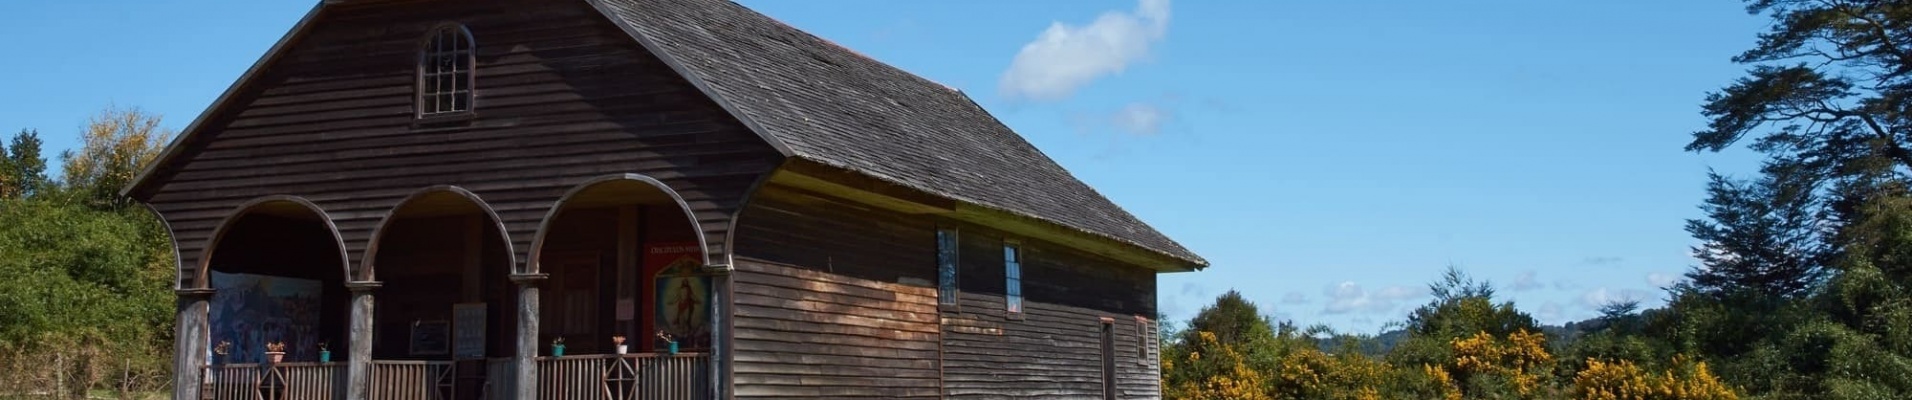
x: 118, y: 144
x: 1761, y: 238
x: 1623, y: 380
x: 86, y: 302
x: 22, y: 168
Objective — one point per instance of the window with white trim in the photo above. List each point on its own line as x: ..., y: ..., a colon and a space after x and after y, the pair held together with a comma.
x: 445, y: 72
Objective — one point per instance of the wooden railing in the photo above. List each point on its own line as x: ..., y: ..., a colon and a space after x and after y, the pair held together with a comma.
x: 684, y: 376
x: 282, y: 381
x: 413, y: 380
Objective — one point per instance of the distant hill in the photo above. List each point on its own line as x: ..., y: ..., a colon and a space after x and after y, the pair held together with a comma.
x: 1560, y: 335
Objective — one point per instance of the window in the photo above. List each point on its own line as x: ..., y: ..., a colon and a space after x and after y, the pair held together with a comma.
x: 1145, y: 340
x: 1012, y: 271
x: 444, y: 72
x: 946, y: 263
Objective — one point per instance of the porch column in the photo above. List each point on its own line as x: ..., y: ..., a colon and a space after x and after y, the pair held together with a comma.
x: 720, y: 333
x: 525, y: 370
x: 358, y: 367
x: 191, y: 336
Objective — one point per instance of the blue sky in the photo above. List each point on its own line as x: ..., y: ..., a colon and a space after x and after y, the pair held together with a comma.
x: 1329, y: 158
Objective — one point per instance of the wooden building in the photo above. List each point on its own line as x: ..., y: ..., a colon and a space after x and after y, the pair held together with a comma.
x: 444, y: 191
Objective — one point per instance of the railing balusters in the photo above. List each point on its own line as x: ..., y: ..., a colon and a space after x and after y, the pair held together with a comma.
x: 641, y: 376
x: 294, y: 381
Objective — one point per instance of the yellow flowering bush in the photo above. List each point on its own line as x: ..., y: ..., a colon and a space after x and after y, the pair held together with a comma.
x: 1622, y: 380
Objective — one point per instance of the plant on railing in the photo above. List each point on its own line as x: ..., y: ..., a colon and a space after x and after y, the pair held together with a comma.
x: 669, y: 341
x: 557, y: 347
x: 223, y: 350
x: 325, y: 354
x: 617, y: 341
x: 275, y: 351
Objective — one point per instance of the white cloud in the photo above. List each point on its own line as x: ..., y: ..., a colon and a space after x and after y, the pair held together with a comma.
x: 1066, y: 57
x: 1604, y: 260
x: 1348, y: 297
x: 1141, y: 118
x: 1526, y: 281
x: 1294, y: 298
x: 1602, y: 296
x: 1662, y: 281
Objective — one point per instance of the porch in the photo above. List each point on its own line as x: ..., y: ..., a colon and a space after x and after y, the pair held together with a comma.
x: 625, y: 311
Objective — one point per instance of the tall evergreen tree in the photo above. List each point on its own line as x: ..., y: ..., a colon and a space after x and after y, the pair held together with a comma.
x: 1762, y: 238
x: 22, y: 167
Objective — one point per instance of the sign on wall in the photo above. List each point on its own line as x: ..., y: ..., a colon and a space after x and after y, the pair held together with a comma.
x: 468, y: 331
x: 681, y: 293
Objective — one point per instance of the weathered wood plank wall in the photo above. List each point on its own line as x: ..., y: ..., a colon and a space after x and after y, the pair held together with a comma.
x: 562, y: 96
x: 811, y: 334
x: 1052, y: 351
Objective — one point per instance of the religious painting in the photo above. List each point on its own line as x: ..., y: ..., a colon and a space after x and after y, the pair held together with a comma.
x: 682, y: 293
x: 252, y: 310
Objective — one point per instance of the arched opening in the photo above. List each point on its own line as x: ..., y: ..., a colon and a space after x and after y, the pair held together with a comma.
x: 624, y: 258
x: 277, y: 270
x: 443, y: 262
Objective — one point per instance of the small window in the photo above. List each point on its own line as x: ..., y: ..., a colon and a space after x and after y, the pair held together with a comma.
x: 1012, y: 270
x: 946, y: 263
x: 1144, y: 338
x: 444, y: 72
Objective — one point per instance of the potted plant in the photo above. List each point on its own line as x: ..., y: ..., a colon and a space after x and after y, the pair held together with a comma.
x: 669, y: 342
x: 557, y: 347
x: 224, y: 352
x: 275, y: 352
x: 618, y: 343
x: 325, y: 354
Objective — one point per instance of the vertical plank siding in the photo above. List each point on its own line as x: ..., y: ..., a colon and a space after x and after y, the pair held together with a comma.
x: 809, y: 334
x: 793, y: 246
x: 562, y: 96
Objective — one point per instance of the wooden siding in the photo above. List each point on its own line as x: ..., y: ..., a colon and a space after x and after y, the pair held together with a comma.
x: 807, y: 334
x: 563, y: 96
x: 1052, y: 350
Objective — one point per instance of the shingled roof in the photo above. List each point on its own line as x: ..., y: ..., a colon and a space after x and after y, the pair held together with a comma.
x: 821, y: 102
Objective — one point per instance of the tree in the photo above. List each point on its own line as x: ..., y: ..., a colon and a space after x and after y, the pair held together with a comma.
x: 118, y: 144
x: 1232, y: 319
x: 22, y: 168
x: 1763, y: 238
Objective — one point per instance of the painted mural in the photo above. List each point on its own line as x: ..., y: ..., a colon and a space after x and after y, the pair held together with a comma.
x: 251, y: 310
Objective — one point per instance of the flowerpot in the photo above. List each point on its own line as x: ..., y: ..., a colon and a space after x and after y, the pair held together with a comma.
x: 557, y: 351
x: 275, y: 356
x: 325, y: 356
x: 622, y: 348
x: 673, y: 348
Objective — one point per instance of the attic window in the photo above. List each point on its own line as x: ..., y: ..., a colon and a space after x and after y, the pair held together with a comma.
x: 444, y: 72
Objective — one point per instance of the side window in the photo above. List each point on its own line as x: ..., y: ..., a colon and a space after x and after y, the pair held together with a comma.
x: 1145, y: 340
x: 1012, y: 271
x: 947, y: 247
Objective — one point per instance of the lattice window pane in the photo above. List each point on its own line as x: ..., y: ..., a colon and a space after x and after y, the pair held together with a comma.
x: 445, y: 72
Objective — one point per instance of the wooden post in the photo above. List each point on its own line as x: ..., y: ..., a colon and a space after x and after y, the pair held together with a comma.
x: 526, y: 385
x: 358, y: 367
x: 191, y: 341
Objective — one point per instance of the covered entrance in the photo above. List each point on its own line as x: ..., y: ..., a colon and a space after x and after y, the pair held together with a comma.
x: 444, y: 301
x: 627, y: 305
